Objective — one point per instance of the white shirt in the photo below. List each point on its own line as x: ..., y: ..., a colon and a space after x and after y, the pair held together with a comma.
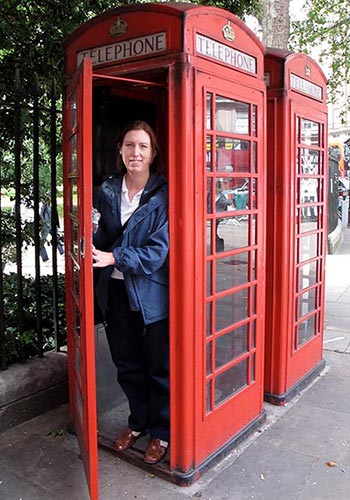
x: 127, y: 208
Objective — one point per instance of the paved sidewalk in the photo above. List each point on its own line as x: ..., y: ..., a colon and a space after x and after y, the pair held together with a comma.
x: 302, y: 452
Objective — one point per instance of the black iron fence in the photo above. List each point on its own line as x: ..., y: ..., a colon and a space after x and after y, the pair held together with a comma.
x: 31, y: 296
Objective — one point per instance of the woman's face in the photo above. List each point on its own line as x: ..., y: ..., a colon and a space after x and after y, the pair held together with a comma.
x: 136, y: 151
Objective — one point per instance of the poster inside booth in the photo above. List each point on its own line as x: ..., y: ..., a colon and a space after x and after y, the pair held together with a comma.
x: 196, y: 75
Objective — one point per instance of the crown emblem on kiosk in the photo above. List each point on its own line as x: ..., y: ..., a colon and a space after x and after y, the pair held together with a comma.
x: 228, y: 32
x: 307, y: 70
x: 118, y: 28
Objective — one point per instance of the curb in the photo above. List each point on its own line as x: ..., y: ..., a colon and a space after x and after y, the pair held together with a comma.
x: 32, y: 388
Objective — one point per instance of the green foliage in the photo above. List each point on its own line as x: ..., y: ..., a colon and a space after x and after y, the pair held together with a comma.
x: 20, y: 346
x: 326, y: 28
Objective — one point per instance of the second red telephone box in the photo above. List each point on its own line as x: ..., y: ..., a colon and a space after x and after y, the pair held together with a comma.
x: 297, y: 162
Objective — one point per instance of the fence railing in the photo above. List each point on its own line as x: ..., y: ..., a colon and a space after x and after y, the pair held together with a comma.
x: 36, y: 118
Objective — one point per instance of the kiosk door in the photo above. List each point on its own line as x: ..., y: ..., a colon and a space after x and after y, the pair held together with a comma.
x: 231, y: 343
x: 79, y: 284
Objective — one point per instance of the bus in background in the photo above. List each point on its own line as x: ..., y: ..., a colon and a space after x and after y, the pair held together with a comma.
x: 338, y: 150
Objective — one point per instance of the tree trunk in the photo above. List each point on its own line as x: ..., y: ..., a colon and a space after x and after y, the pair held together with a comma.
x: 275, y: 23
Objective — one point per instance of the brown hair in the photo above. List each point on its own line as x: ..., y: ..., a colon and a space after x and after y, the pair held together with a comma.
x: 140, y: 125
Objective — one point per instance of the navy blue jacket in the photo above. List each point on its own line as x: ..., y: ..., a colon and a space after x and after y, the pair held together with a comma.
x: 141, y: 252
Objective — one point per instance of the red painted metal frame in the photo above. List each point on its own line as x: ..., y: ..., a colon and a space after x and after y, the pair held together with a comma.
x: 80, y: 319
x: 287, y: 368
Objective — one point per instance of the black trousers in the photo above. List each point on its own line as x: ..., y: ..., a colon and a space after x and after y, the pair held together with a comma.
x: 141, y: 355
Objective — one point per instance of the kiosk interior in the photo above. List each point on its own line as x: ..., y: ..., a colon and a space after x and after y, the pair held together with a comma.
x: 297, y: 173
x: 196, y: 75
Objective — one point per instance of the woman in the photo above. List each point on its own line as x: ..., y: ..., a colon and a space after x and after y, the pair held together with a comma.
x: 131, y: 243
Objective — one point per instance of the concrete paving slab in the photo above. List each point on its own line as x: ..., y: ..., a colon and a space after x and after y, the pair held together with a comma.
x: 327, y: 483
x: 262, y: 473
x: 14, y: 487
x: 317, y: 432
x: 329, y: 394
x: 335, y: 340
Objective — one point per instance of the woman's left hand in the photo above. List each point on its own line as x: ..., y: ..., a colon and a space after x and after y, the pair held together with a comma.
x: 102, y: 259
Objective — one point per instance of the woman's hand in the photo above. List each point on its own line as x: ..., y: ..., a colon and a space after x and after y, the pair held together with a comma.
x: 102, y: 259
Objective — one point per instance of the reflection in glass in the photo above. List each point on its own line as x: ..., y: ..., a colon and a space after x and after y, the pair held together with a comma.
x: 308, y: 222
x: 310, y: 132
x: 209, y: 241
x: 75, y: 238
x: 307, y: 275
x: 209, y: 316
x: 307, y: 302
x: 208, y: 361
x: 231, y: 116
x: 253, y: 276
x: 252, y: 368
x: 208, y: 154
x: 209, y: 196
x: 254, y: 158
x: 231, y: 309
x: 209, y: 114
x: 74, y: 154
x: 230, y: 381
x: 310, y: 161
x: 306, y: 330
x: 231, y: 271
x: 208, y: 404
x: 307, y: 247
x: 255, y: 120
x: 73, y: 111
x: 74, y: 202
x: 232, y: 155
x: 308, y: 193
x: 233, y: 232
x: 222, y: 201
x: 230, y: 346
x: 253, y: 334
x: 209, y: 279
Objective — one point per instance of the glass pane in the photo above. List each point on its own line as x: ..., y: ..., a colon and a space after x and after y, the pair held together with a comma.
x: 208, y: 396
x: 255, y: 121
x: 208, y: 362
x: 209, y: 279
x: 73, y: 111
x: 79, y: 403
x: 231, y: 309
x: 254, y: 230
x: 232, y: 233
x: 74, y: 154
x: 253, y: 266
x: 231, y: 272
x: 307, y: 302
x: 310, y: 161
x: 231, y: 116
x: 209, y: 242
x: 75, y: 246
x: 222, y: 200
x: 253, y: 333
x: 254, y: 158
x: 209, y: 316
x: 306, y: 330
x: 307, y: 218
x: 307, y: 275
x: 209, y: 196
x: 232, y: 155
x: 252, y: 368
x: 231, y: 381
x: 76, y: 287
x: 307, y: 247
x: 230, y: 346
x: 240, y: 193
x: 209, y: 156
x: 308, y: 192
x: 74, y: 202
x: 310, y: 132
x: 208, y: 114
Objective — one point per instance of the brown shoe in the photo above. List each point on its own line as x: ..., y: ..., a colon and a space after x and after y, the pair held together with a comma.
x: 155, y: 452
x: 126, y: 440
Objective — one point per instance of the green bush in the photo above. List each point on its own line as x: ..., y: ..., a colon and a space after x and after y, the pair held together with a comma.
x: 20, y: 346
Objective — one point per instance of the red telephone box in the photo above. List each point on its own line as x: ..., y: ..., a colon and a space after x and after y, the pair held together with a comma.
x: 196, y: 75
x: 297, y: 164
